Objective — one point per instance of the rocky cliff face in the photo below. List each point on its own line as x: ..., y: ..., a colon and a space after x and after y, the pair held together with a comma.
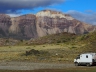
x: 52, y: 22
x: 24, y: 26
x: 43, y: 23
x: 5, y: 23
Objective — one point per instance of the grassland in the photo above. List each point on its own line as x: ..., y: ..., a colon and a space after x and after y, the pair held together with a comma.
x: 62, y: 47
x: 55, y: 53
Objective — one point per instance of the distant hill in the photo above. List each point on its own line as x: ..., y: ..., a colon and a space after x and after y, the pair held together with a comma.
x: 88, y: 40
x: 54, y: 38
x: 65, y: 38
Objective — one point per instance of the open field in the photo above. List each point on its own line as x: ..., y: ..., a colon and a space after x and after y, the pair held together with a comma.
x: 52, y: 53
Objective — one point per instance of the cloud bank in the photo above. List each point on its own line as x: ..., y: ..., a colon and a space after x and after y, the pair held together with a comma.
x: 88, y: 18
x: 9, y: 6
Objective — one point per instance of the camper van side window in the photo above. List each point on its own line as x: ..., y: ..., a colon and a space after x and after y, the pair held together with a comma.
x: 86, y: 56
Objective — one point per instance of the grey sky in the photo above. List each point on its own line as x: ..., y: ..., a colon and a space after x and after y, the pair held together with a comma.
x: 8, y: 6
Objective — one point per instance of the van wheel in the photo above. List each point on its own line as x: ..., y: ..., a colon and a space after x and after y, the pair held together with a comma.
x: 76, y: 64
x: 88, y: 64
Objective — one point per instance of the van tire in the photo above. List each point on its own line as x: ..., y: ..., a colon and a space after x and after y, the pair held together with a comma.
x: 76, y: 64
x: 88, y: 64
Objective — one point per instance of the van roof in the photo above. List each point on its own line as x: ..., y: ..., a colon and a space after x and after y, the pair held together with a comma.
x: 90, y: 53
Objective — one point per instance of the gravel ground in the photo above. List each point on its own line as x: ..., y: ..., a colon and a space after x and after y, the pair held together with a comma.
x: 32, y: 66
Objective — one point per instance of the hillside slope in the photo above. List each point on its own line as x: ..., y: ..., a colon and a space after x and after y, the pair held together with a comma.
x: 53, y: 39
x: 90, y: 41
x: 87, y: 42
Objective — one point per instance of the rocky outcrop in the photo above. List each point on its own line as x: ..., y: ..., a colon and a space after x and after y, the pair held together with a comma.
x: 24, y: 26
x: 52, y: 22
x: 5, y: 23
x: 43, y: 23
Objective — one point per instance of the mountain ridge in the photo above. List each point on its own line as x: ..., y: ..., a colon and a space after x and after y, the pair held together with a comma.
x: 43, y: 23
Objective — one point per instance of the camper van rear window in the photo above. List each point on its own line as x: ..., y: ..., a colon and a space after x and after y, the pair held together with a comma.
x: 86, y: 56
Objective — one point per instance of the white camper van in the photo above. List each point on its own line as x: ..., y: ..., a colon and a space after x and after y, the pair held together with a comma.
x: 87, y: 59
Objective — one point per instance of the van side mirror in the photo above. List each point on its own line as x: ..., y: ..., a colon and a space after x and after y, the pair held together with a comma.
x: 78, y: 57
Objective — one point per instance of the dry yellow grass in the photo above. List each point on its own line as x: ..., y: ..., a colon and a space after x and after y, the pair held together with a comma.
x: 58, y: 52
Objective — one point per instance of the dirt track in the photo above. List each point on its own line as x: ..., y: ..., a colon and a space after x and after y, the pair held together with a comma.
x: 32, y: 66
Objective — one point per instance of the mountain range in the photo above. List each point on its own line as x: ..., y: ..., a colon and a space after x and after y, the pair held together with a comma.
x: 41, y: 24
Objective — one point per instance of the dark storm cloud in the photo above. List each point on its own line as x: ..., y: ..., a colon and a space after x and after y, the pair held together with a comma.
x: 88, y: 18
x: 8, y: 6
